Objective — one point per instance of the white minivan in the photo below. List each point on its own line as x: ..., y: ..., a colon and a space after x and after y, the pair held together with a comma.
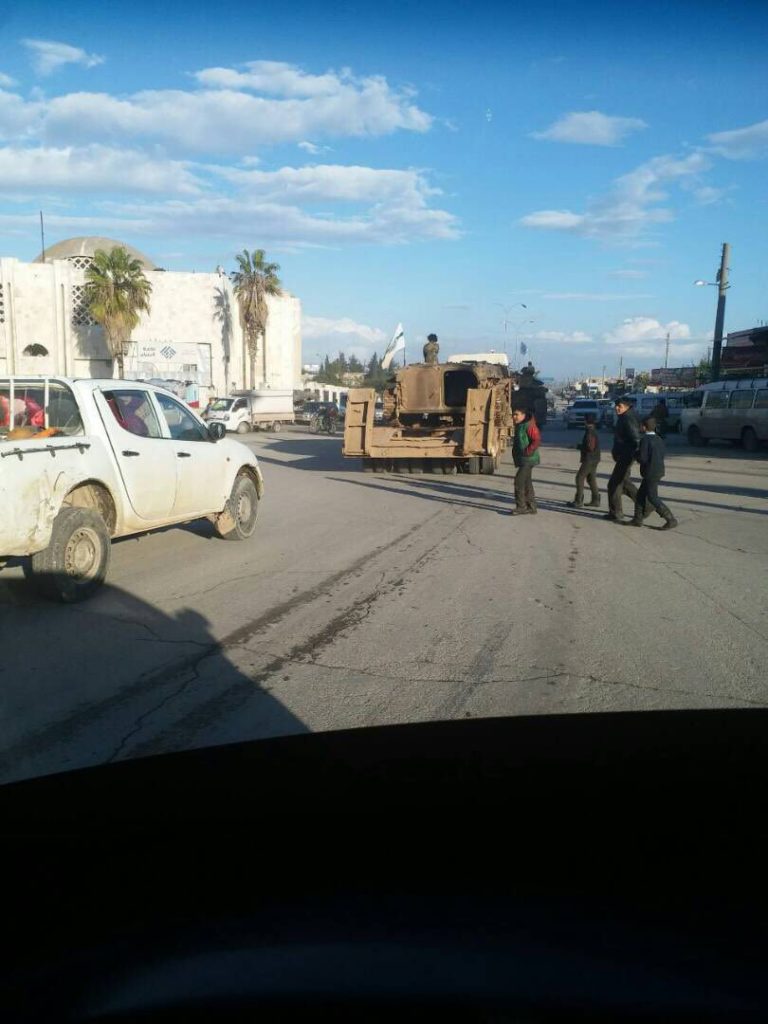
x: 730, y: 410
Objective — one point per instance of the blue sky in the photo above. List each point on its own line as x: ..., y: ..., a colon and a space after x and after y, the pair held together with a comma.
x: 440, y: 164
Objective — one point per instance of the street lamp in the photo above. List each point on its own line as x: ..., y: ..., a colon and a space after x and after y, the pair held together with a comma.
x: 721, y: 283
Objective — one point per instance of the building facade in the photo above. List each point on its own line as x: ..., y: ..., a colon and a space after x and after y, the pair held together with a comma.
x: 192, y: 334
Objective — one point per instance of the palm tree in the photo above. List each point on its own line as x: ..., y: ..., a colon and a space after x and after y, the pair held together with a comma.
x: 116, y: 292
x: 254, y: 280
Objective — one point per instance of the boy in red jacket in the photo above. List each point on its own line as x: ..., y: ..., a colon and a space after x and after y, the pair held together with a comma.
x: 525, y: 454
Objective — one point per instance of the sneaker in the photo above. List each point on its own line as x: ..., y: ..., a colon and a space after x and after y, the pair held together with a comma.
x: 575, y: 504
x: 519, y: 512
x: 532, y: 510
x: 612, y: 518
x: 632, y: 522
x: 670, y: 524
x: 593, y: 504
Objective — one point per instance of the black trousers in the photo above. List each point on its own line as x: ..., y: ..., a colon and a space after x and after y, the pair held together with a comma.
x: 587, y: 471
x: 648, y: 494
x: 620, y: 484
x: 524, y: 496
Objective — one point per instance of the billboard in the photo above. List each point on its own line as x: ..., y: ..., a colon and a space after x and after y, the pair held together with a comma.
x: 675, y: 377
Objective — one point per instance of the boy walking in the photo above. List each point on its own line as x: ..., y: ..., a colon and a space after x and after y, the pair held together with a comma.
x: 626, y: 437
x: 651, y: 458
x: 590, y: 456
x: 525, y: 455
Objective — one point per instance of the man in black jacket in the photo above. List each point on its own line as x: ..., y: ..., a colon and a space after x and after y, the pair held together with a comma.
x: 651, y: 458
x: 626, y: 439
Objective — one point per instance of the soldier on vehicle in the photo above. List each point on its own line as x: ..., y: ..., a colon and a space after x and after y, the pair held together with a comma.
x: 626, y: 438
x: 431, y: 349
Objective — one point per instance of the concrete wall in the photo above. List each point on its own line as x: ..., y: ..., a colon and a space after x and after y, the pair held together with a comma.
x: 192, y: 333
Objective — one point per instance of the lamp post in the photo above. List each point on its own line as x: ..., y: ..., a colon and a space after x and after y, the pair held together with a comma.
x: 722, y: 285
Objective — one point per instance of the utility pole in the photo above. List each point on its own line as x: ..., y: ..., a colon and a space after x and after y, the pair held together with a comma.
x: 722, y: 282
x: 666, y: 353
x: 621, y: 366
x: 42, y: 236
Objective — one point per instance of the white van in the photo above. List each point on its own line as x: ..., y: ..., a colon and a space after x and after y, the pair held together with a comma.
x: 730, y: 410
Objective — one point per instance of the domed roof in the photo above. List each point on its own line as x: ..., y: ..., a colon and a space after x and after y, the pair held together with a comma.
x: 87, y: 245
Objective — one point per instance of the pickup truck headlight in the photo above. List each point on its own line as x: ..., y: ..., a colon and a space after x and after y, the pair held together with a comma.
x: 225, y: 416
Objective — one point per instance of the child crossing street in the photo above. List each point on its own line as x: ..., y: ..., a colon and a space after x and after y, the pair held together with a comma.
x: 651, y: 458
x: 590, y: 457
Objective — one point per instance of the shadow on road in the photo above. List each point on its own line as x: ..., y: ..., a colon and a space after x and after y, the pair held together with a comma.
x: 314, y: 453
x: 115, y: 677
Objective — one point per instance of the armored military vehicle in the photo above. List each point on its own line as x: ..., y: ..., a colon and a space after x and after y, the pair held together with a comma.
x: 440, y: 417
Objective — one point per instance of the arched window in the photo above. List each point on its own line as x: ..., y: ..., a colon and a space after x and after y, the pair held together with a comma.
x: 35, y: 350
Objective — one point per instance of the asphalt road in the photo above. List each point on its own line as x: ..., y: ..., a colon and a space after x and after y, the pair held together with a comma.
x: 367, y: 599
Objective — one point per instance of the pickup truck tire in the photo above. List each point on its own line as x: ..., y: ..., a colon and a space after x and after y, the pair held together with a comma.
x: 242, y: 510
x: 75, y: 563
x: 243, y: 428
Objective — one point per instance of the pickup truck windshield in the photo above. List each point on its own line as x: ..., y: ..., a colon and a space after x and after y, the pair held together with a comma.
x: 222, y: 405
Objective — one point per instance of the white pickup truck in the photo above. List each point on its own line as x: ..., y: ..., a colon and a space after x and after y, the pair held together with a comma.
x: 82, y: 461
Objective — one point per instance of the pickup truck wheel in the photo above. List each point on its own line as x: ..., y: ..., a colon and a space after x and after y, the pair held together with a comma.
x: 75, y: 563
x: 276, y: 426
x: 238, y: 520
x: 243, y: 428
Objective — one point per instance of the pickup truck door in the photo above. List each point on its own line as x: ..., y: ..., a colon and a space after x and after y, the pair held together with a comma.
x: 147, y: 466
x: 202, y: 466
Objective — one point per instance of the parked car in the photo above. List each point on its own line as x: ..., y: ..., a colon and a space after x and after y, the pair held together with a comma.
x: 267, y: 409
x: 735, y: 410
x: 574, y: 414
x: 84, y: 461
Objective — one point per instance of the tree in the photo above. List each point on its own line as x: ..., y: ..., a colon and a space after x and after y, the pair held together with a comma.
x: 254, y: 281
x: 116, y: 293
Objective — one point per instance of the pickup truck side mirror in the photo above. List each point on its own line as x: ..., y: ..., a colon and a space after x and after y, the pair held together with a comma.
x: 216, y: 430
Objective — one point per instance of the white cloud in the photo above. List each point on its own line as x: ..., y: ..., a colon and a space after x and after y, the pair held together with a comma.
x: 629, y: 275
x: 632, y: 205
x: 741, y: 143
x: 707, y: 195
x: 313, y: 148
x: 221, y: 121
x: 554, y: 220
x: 562, y: 337
x: 320, y: 327
x: 6, y: 82
x: 646, y: 329
x: 225, y: 120
x: 335, y: 182
x: 284, y: 224
x: 275, y: 78
x: 91, y: 168
x: 48, y: 55
x: 592, y: 128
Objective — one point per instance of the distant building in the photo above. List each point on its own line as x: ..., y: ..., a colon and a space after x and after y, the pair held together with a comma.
x: 745, y: 350
x: 192, y: 335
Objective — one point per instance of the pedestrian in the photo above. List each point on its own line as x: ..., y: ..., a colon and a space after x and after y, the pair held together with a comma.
x: 660, y: 412
x: 525, y: 455
x: 589, y: 447
x: 651, y: 458
x: 626, y: 438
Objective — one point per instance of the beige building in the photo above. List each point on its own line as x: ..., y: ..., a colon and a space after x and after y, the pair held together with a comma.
x: 192, y: 334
